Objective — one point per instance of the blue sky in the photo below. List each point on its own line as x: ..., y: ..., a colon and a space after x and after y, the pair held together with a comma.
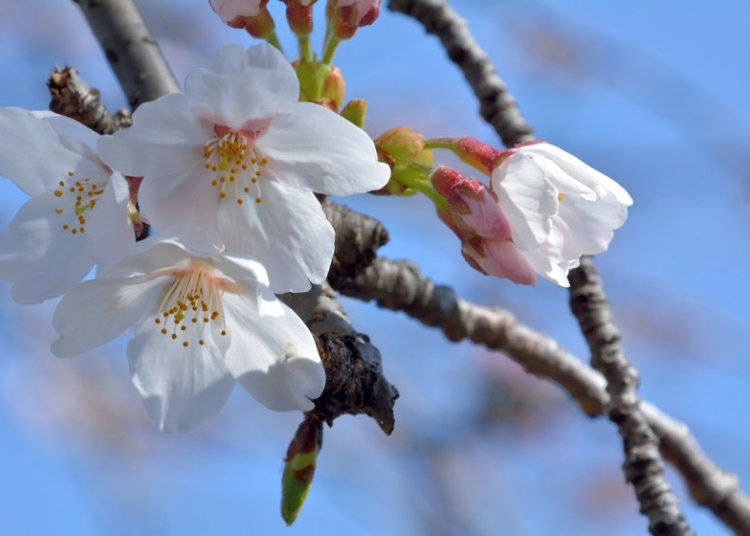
x: 653, y: 94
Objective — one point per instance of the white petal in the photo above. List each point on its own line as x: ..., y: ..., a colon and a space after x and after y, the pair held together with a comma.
x: 600, y: 183
x: 316, y: 149
x: 38, y: 255
x: 246, y: 271
x: 189, y: 211
x: 99, y: 310
x: 527, y: 198
x: 151, y: 256
x: 164, y: 143
x: 31, y: 153
x: 287, y: 233
x: 181, y: 386
x: 274, y: 358
x: 588, y: 226
x: 241, y: 86
x: 110, y: 230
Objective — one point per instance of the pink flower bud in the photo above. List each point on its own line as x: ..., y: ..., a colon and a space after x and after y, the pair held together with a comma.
x: 233, y: 12
x: 348, y: 15
x: 473, y: 213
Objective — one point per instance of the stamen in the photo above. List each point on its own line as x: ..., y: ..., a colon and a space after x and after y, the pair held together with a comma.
x: 91, y: 187
x: 194, y: 293
x: 236, y: 165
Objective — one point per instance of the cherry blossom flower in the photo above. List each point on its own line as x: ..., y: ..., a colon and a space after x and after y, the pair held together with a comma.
x: 232, y: 12
x: 472, y: 212
x: 234, y: 160
x: 358, y: 12
x: 78, y: 212
x: 558, y: 207
x: 201, y: 324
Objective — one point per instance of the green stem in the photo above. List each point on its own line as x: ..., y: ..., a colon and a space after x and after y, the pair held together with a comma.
x: 424, y: 186
x: 305, y: 52
x: 272, y: 39
x: 441, y: 143
x: 332, y: 42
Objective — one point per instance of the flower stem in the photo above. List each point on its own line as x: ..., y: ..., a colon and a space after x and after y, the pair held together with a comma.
x: 441, y: 143
x: 273, y: 40
x: 329, y: 49
x: 305, y: 52
x: 424, y: 186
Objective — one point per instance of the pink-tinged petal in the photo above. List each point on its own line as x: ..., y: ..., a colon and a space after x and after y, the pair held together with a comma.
x: 244, y: 85
x: 527, y: 197
x: 504, y: 259
x: 274, y: 358
x: 99, y: 310
x: 31, y: 153
x: 110, y: 229
x: 593, y: 179
x: 314, y: 148
x: 229, y: 10
x: 165, y: 142
x: 181, y: 386
x: 38, y: 255
x: 287, y: 233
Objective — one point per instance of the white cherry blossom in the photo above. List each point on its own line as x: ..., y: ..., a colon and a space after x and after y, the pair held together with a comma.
x: 78, y: 212
x: 234, y: 160
x: 201, y: 324
x: 559, y: 208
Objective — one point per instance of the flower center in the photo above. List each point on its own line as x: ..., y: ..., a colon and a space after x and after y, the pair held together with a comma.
x: 77, y: 197
x: 193, y: 302
x: 235, y: 165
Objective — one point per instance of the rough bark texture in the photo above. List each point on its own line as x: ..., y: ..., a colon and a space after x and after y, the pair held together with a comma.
x: 643, y: 466
x: 399, y: 285
x: 71, y: 96
x: 131, y: 50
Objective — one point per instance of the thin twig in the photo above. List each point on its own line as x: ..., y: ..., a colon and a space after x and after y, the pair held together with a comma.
x: 643, y: 466
x: 131, y: 50
x: 497, y: 106
x: 400, y: 286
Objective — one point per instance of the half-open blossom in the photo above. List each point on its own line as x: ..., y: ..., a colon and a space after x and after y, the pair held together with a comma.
x: 558, y: 207
x: 78, y: 212
x: 201, y: 324
x: 233, y: 162
x: 357, y: 12
x: 233, y: 12
x: 472, y: 212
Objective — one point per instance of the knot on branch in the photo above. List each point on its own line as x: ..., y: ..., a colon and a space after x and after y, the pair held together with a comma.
x: 354, y: 380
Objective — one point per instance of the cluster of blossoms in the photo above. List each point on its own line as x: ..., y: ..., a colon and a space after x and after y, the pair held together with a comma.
x: 226, y: 174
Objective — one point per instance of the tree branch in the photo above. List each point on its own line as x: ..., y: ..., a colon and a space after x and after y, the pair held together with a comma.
x: 497, y: 106
x: 500, y: 110
x: 643, y: 467
x: 400, y: 286
x: 131, y: 50
x: 71, y: 96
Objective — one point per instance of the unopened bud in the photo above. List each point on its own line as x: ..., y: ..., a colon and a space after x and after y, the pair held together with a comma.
x: 472, y: 211
x: 320, y: 83
x: 403, y: 150
x: 299, y: 16
x: 348, y: 15
x: 299, y: 467
x: 355, y: 112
